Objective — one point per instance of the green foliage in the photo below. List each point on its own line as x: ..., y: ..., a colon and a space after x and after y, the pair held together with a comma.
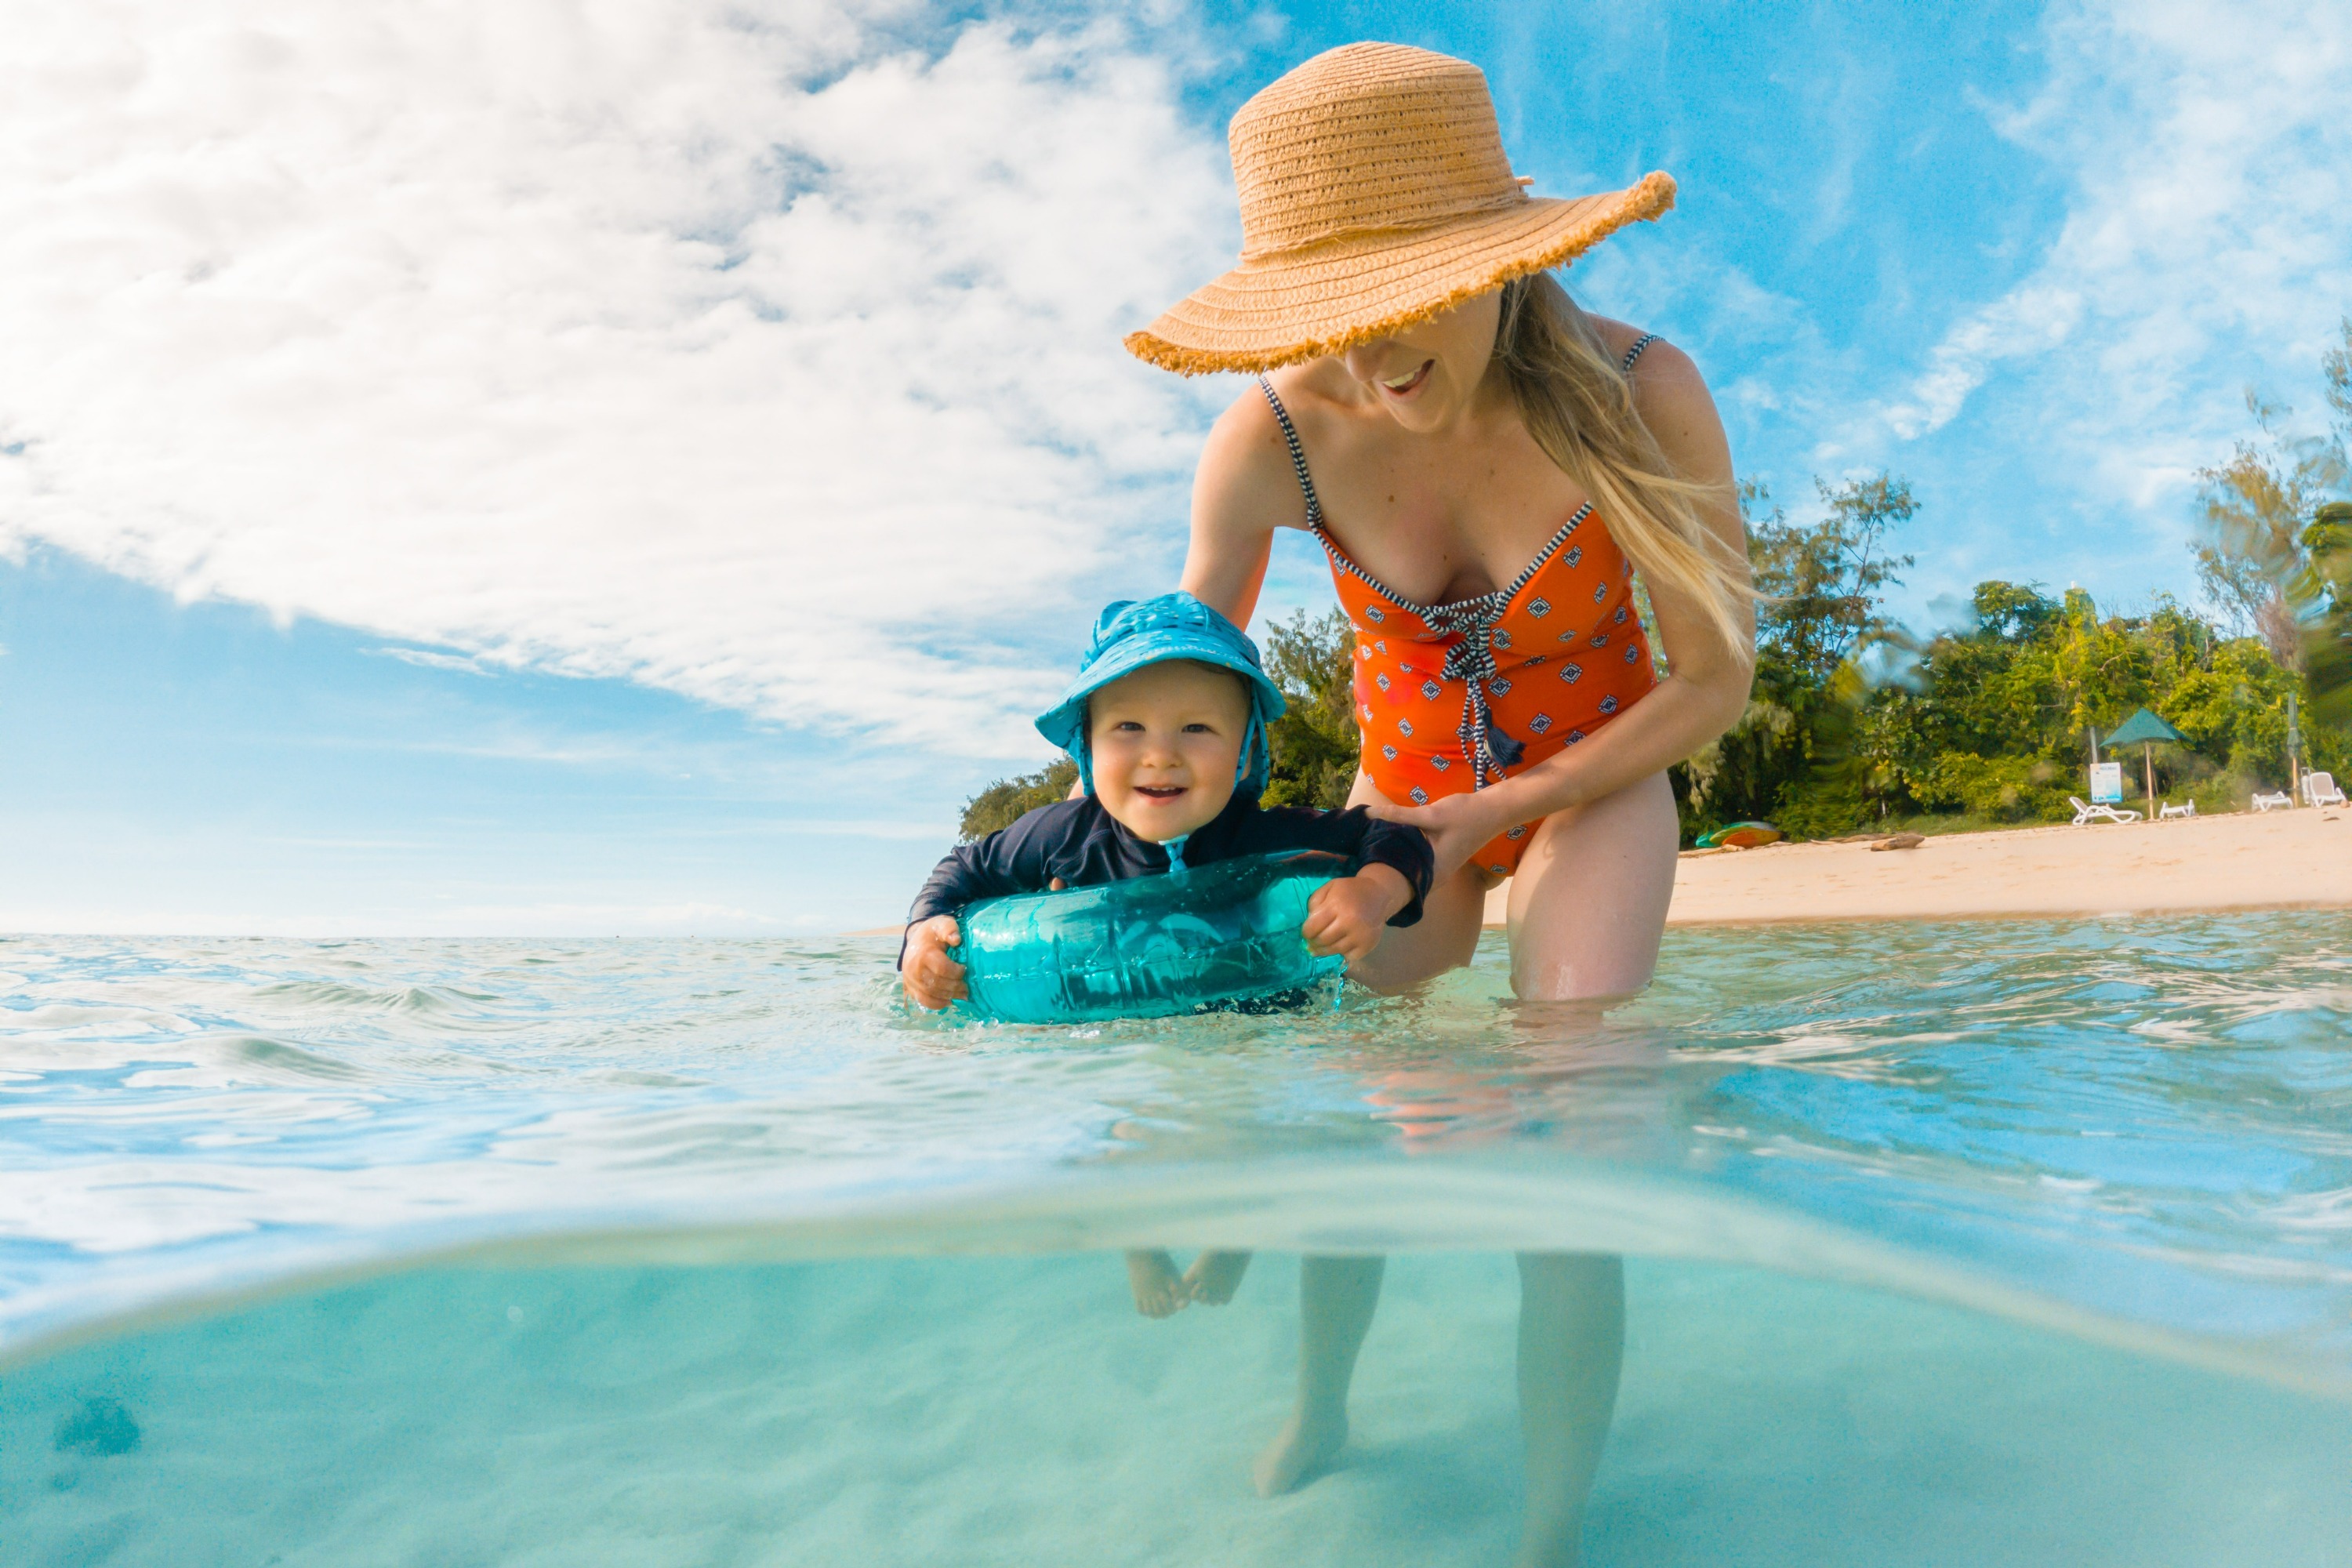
x: 1990, y: 722
x: 1314, y: 743
x: 2323, y: 593
x: 2258, y: 506
x: 1791, y: 759
x: 1820, y: 581
x: 1006, y: 801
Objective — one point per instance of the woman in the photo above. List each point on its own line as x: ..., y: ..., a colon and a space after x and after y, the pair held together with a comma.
x: 1486, y: 467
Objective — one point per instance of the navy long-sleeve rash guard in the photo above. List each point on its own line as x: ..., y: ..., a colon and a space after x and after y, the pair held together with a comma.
x: 1082, y: 844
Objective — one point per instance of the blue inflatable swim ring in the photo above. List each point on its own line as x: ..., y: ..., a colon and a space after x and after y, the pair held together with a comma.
x: 1147, y: 947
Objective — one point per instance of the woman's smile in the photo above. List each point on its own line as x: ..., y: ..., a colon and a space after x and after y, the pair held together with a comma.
x: 1404, y: 386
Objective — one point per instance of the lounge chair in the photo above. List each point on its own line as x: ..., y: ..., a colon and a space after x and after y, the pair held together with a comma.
x: 2085, y: 813
x: 2320, y: 789
x: 2186, y: 808
x: 2278, y: 802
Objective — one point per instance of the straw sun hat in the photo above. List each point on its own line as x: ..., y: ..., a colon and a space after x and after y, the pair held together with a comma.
x: 1374, y: 194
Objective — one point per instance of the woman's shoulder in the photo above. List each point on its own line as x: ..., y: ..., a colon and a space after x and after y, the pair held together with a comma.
x: 1669, y: 393
x: 1671, y: 396
x: 1247, y: 461
x: 1660, y: 364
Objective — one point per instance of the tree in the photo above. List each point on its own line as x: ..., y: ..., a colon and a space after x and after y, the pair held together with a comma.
x: 1820, y: 582
x: 1792, y: 756
x: 2336, y: 370
x: 1006, y: 801
x: 2256, y: 508
x: 2323, y: 595
x: 1314, y: 742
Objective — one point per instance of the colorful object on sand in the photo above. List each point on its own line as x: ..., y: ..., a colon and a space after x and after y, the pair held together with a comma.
x: 1741, y: 836
x: 1147, y: 948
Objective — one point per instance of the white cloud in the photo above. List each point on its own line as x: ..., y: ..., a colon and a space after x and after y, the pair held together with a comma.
x: 735, y: 349
x: 2208, y: 241
x: 425, y: 659
x: 2031, y: 321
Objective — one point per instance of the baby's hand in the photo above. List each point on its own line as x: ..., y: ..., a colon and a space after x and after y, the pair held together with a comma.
x: 932, y: 979
x: 1345, y: 917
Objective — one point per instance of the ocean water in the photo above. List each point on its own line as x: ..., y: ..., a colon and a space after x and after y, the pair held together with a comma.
x: 1973, y: 1243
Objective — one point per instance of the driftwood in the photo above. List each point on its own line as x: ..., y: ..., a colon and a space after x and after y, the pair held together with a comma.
x: 1898, y: 841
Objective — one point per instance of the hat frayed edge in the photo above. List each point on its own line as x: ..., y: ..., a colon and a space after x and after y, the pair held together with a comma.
x: 1645, y: 203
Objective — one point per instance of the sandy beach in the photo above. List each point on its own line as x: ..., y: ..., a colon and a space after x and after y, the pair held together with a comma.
x: 2247, y: 860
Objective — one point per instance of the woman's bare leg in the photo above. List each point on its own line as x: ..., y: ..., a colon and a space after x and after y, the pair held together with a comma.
x: 1587, y: 909
x: 1588, y: 904
x: 1337, y: 1294
x: 1336, y: 1298
x: 1571, y: 1344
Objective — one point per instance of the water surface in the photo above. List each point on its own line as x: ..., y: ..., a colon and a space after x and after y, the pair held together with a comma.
x: 1984, y: 1242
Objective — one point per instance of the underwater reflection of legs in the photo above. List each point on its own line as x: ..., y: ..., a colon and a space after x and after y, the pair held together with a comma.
x: 1571, y: 1347
x: 1336, y: 1298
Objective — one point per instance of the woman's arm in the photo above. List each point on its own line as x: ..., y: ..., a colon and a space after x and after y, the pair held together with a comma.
x: 1242, y: 490
x: 1704, y: 694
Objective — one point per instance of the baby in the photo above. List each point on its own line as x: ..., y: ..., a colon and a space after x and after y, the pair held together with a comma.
x: 1167, y: 723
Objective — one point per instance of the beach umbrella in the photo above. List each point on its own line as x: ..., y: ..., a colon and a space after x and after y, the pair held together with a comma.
x: 2143, y: 730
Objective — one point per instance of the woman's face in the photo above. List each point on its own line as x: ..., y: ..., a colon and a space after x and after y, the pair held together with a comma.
x: 1426, y: 376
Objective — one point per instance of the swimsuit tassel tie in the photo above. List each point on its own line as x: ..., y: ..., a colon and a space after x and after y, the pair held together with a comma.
x: 1484, y: 746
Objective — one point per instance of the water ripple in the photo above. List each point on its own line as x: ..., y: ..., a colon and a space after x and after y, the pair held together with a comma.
x: 2150, y: 1120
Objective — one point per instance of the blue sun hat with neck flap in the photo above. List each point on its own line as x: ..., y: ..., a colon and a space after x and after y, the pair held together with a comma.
x: 1134, y: 633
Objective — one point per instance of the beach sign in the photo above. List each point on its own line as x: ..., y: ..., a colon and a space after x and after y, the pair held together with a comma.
x: 2106, y: 783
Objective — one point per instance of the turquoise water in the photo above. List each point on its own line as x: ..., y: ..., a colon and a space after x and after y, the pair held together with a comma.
x: 2004, y: 1242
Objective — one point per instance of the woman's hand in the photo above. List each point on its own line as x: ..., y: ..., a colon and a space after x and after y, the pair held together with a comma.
x: 1457, y: 824
x: 932, y: 979
x: 1345, y: 917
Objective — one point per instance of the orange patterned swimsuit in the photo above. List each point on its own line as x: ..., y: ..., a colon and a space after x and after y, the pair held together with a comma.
x: 1452, y: 698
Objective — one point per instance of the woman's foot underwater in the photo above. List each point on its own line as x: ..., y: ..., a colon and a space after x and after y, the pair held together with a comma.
x: 1304, y: 1447
x: 1215, y: 1276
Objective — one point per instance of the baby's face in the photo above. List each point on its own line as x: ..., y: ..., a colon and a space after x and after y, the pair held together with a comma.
x: 1166, y: 740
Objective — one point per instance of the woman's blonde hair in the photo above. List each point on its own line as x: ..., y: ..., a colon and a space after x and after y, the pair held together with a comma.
x: 1577, y: 405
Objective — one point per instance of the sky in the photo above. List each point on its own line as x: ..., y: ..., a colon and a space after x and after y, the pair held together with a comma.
x: 573, y: 468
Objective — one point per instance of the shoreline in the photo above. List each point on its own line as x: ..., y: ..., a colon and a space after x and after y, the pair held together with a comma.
x: 2291, y: 859
x: 2299, y: 858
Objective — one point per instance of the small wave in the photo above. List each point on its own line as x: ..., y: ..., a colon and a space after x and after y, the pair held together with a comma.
x: 1309, y: 1206
x: 2141, y: 1121
x: 425, y: 1001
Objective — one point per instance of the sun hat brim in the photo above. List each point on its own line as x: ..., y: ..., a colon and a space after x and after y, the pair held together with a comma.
x: 1326, y: 298
x: 1064, y: 723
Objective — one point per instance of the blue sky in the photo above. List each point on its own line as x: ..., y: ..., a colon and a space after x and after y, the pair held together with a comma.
x: 633, y: 468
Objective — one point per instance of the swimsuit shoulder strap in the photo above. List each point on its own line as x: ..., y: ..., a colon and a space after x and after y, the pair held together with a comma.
x: 1297, y: 454
x: 1625, y: 365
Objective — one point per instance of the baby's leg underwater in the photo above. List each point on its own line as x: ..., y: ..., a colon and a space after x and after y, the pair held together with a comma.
x: 1160, y: 1290
x: 1215, y: 1276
